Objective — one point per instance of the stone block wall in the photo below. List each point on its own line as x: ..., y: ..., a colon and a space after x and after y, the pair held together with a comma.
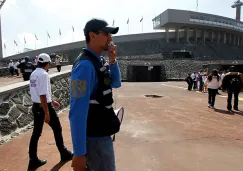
x: 171, y: 69
x: 16, y: 105
x: 4, y: 72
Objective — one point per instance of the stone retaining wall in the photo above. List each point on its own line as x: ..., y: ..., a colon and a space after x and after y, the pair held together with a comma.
x: 16, y: 104
x: 171, y: 69
x: 4, y: 72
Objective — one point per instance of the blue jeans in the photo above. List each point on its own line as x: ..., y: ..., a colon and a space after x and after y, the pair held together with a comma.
x: 100, y: 155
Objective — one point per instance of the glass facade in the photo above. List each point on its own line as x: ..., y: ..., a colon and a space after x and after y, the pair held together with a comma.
x: 156, y: 21
x: 217, y: 22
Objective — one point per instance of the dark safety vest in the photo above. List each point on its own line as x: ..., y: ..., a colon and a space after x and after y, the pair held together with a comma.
x: 102, y: 120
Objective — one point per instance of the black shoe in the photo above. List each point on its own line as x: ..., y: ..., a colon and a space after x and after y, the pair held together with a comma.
x: 66, y: 155
x: 236, y: 108
x: 36, y: 163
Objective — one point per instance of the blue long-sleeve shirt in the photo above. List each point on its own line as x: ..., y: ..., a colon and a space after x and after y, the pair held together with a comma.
x: 84, y: 82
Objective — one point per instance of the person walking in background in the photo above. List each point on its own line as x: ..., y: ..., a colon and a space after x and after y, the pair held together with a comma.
x: 189, y: 82
x: 233, y: 83
x: 194, y: 79
x: 213, y: 85
x: 16, y: 68
x: 200, y: 74
x: 27, y: 67
x: 205, y: 86
x: 43, y: 111
x: 11, y: 67
x: 58, y: 63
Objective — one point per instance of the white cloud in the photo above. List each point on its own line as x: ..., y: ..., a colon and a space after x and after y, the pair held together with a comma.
x: 10, y: 4
x: 66, y: 37
x: 64, y: 6
x: 31, y: 41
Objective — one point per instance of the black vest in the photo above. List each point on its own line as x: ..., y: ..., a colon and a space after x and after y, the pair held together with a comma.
x: 102, y: 120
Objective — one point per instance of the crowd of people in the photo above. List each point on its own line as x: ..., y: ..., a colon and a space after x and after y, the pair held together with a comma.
x: 25, y: 66
x: 230, y: 82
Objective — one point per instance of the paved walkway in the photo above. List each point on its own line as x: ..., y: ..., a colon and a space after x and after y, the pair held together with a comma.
x: 14, y: 79
x: 176, y: 132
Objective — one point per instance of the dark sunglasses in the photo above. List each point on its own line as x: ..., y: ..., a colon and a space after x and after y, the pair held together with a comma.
x: 104, y: 33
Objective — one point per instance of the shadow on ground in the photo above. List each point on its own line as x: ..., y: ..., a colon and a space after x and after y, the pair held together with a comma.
x: 58, y: 166
x: 224, y: 111
x: 229, y: 112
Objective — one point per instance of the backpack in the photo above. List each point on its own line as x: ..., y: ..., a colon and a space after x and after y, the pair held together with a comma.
x: 28, y: 67
x: 235, y: 82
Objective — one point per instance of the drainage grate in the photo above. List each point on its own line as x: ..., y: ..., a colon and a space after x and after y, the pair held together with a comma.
x: 153, y: 96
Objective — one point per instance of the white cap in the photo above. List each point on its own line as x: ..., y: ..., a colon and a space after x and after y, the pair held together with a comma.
x: 43, y: 57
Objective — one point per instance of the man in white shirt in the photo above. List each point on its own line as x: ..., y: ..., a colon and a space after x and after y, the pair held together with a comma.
x: 16, y: 68
x: 11, y: 67
x: 58, y: 63
x: 43, y: 111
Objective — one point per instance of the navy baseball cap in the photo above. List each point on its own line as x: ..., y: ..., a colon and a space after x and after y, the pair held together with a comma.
x: 27, y: 57
x: 95, y: 25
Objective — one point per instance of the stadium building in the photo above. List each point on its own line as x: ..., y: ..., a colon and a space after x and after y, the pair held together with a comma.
x: 191, y: 41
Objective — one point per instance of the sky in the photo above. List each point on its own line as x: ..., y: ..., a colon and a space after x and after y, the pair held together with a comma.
x: 27, y: 18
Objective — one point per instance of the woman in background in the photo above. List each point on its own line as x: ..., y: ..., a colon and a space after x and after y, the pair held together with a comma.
x: 213, y: 85
x: 205, y: 86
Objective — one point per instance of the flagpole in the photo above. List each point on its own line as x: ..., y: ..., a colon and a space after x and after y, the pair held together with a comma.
x: 73, y: 36
x: 142, y: 26
x: 128, y: 27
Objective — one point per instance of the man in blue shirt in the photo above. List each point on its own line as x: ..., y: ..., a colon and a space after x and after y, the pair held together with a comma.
x: 91, y: 100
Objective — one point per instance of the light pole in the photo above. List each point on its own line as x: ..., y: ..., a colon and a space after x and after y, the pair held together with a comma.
x: 1, y: 49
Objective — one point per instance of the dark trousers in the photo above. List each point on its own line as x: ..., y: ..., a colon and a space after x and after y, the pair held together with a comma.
x: 211, y: 96
x: 11, y: 70
x: 194, y: 85
x: 189, y: 86
x: 59, y: 68
x: 26, y: 76
x: 17, y: 72
x: 236, y: 98
x: 201, y: 85
x: 54, y: 123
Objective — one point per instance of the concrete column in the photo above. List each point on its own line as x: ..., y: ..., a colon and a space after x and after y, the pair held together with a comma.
x: 238, y: 44
x: 167, y: 37
x: 177, y: 35
x: 230, y: 39
x: 212, y: 36
x: 187, y: 34
x: 224, y: 38
x: 204, y: 35
x: 219, y: 37
x: 196, y: 35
